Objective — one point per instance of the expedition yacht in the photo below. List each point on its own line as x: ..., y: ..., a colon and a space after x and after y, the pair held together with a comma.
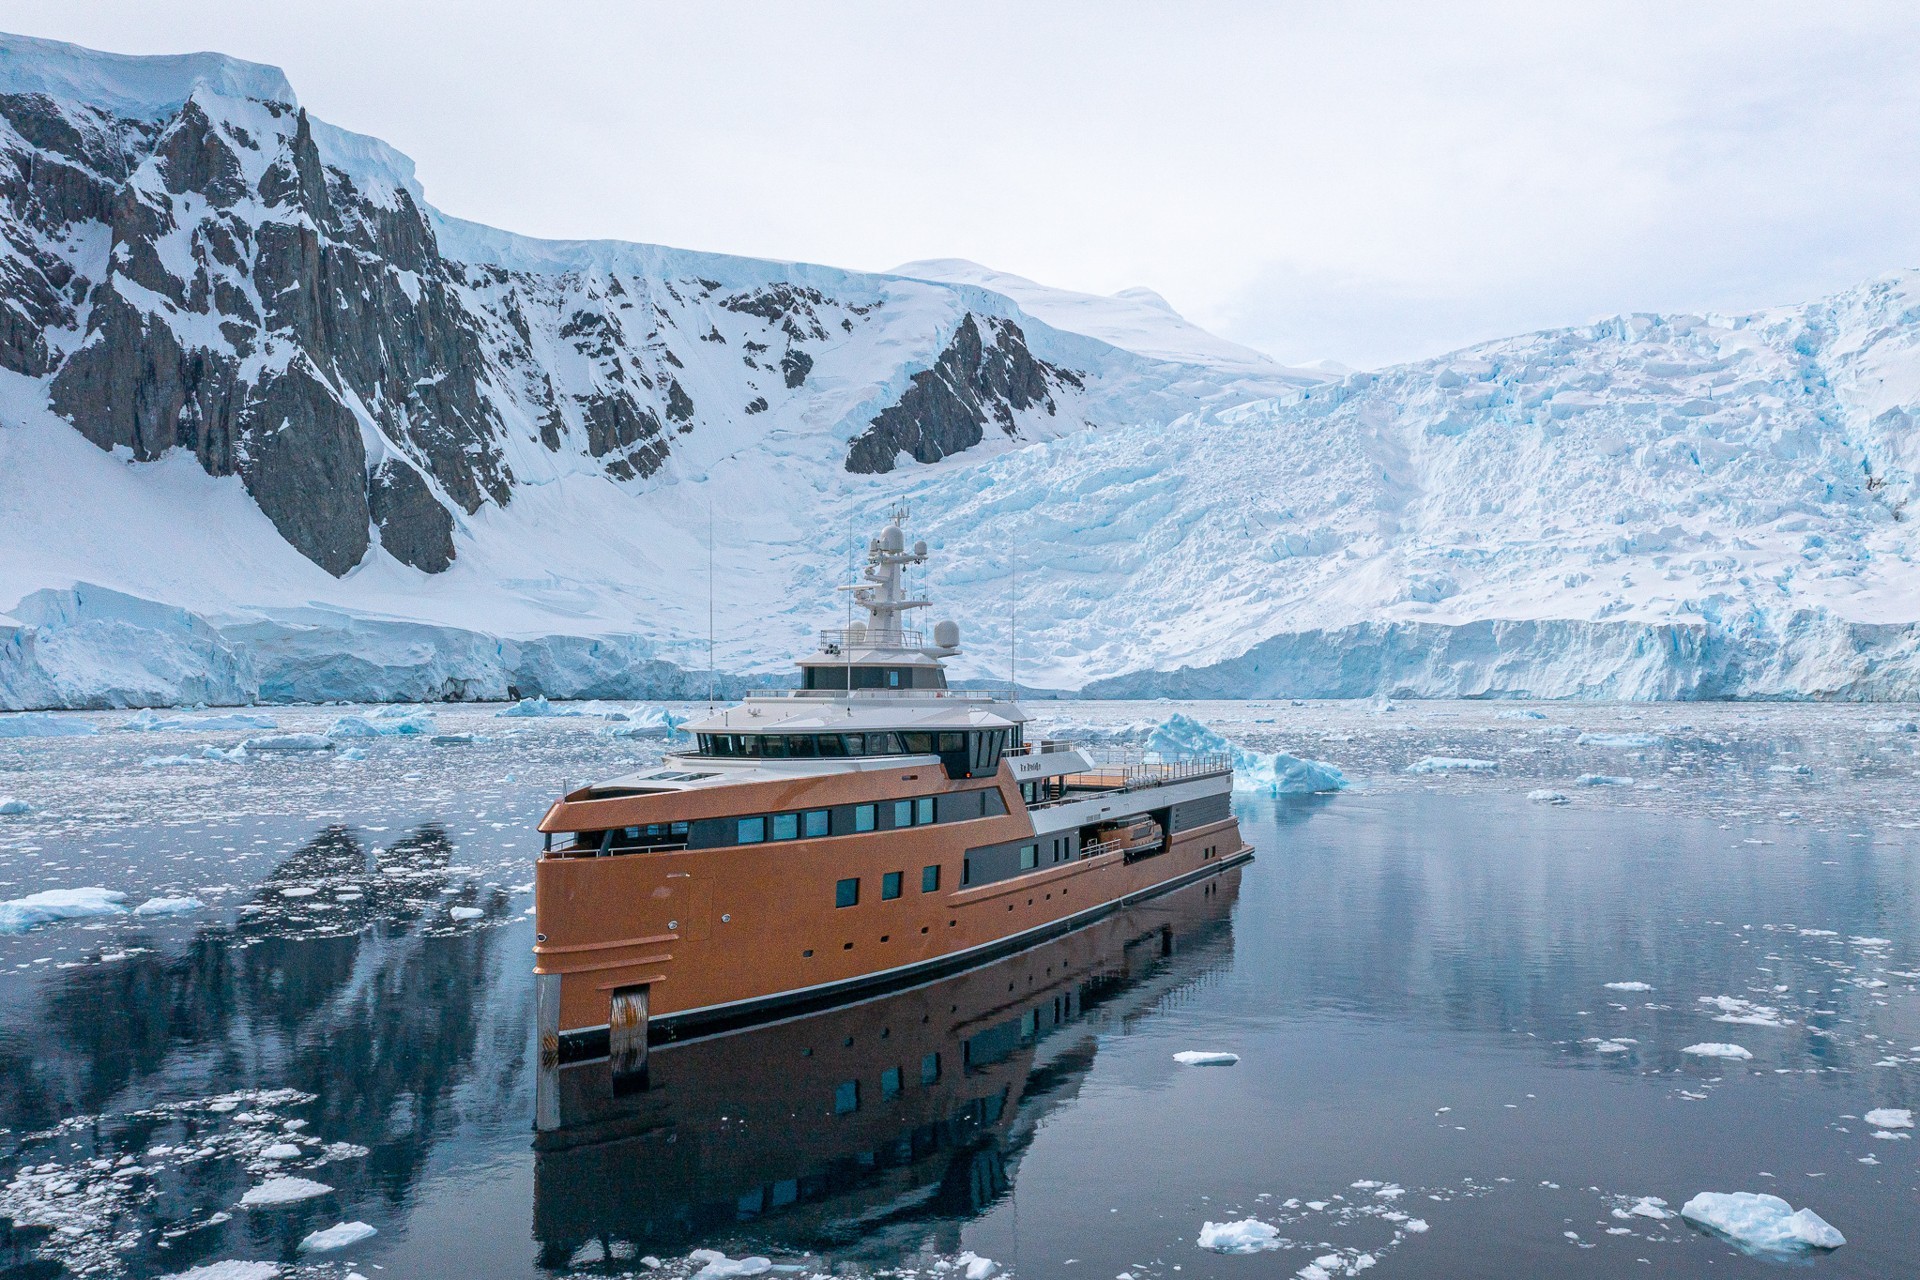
x: 871, y: 830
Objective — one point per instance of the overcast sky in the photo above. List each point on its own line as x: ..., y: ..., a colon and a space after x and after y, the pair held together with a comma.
x: 1367, y: 183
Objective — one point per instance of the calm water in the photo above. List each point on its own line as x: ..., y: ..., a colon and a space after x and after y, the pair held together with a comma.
x: 1434, y: 1074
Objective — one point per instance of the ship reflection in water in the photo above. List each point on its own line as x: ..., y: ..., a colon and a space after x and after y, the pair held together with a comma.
x: 822, y: 1132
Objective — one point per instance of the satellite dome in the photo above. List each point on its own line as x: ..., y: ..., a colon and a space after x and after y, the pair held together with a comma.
x: 920, y: 549
x: 857, y: 632
x: 891, y: 539
x: 946, y: 634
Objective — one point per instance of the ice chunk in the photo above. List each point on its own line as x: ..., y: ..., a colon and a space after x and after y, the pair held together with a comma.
x: 452, y: 739
x: 465, y: 913
x: 41, y: 724
x: 1628, y: 986
x: 17, y: 915
x: 289, y: 742
x: 1651, y: 1207
x: 1760, y: 1222
x: 1618, y: 740
x: 168, y: 906
x: 1248, y: 1235
x: 281, y: 1151
x: 1604, y: 780
x: 11, y: 808
x: 403, y: 726
x: 1711, y: 1050
x: 276, y: 1191
x: 1612, y: 1046
x: 228, y: 1269
x: 336, y: 1237
x: 1546, y: 796
x: 531, y: 708
x: 1522, y: 715
x: 718, y: 1266
x: 1890, y: 1118
x: 149, y: 722
x: 1202, y: 1058
x: 974, y: 1266
x: 1181, y: 737
x: 1452, y: 764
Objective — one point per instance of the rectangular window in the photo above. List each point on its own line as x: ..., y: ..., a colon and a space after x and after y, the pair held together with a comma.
x: 890, y: 1083
x: 786, y: 826
x: 863, y: 815
x: 846, y: 1098
x: 930, y: 878
x: 903, y: 813
x: 832, y: 744
x: 773, y: 746
x: 1029, y: 856
x: 752, y: 831
x: 800, y: 746
x: 952, y: 742
x: 890, y: 885
x: 856, y: 743
x: 919, y: 744
x: 817, y: 823
x: 846, y: 893
x: 966, y: 871
x: 893, y: 679
x: 930, y: 1069
x: 923, y: 810
x: 883, y: 744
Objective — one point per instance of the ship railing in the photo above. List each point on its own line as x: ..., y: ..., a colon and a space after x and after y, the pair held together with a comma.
x: 1128, y: 769
x: 839, y: 639
x: 1045, y: 747
x: 963, y: 695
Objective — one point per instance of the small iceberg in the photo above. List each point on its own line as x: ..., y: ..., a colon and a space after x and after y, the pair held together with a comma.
x: 413, y: 724
x: 42, y: 724
x: 1732, y: 1052
x: 1890, y: 1118
x: 975, y: 1267
x: 17, y: 915
x: 535, y: 708
x: 1546, y: 796
x: 1277, y: 774
x: 1248, y: 1235
x: 278, y: 1191
x: 1453, y: 764
x: 281, y: 1151
x: 168, y: 906
x: 1604, y: 780
x: 11, y: 808
x: 1760, y: 1223
x: 1623, y: 740
x: 149, y: 722
x: 228, y: 1269
x: 1203, y: 1058
x: 716, y: 1265
x: 288, y: 742
x: 1628, y: 986
x: 465, y: 913
x: 336, y: 1237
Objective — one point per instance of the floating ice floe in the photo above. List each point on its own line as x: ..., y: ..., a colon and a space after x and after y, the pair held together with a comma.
x: 168, y: 906
x: 465, y: 913
x: 277, y: 1191
x: 1623, y: 740
x: 1277, y: 774
x: 1452, y: 764
x: 1604, y: 780
x: 17, y: 915
x: 1613, y: 1046
x: 288, y: 742
x: 1744, y: 1012
x: 1203, y: 1058
x: 1248, y: 1235
x: 975, y: 1267
x: 1628, y: 986
x: 11, y: 808
x: 228, y: 1269
x: 1522, y: 715
x: 452, y: 739
x: 336, y: 1237
x: 150, y: 722
x: 41, y: 724
x: 413, y: 724
x: 1760, y: 1222
x: 1893, y: 726
x: 1646, y: 1207
x: 643, y: 722
x: 1712, y: 1050
x: 715, y: 1265
x: 1890, y: 1118
x: 281, y: 1151
x: 1547, y: 796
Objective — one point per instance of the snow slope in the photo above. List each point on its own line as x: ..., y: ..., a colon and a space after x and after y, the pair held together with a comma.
x: 1651, y: 506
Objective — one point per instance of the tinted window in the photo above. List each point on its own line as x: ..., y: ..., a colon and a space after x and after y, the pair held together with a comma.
x: 890, y: 885
x: 846, y: 1098
x: 1029, y: 855
x: 816, y: 823
x: 846, y: 893
x: 831, y: 744
x: 752, y: 831
x: 890, y: 1083
x: 953, y: 742
x: 923, y: 809
x: 774, y: 747
x: 930, y: 878
x: 863, y: 815
x: 800, y: 745
x: 930, y: 1068
x: 856, y: 744
x: 786, y: 826
x: 919, y: 744
x: 903, y: 813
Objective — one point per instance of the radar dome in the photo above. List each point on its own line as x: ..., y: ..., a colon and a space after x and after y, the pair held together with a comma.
x: 891, y: 539
x: 946, y: 634
x: 857, y: 632
x: 920, y: 550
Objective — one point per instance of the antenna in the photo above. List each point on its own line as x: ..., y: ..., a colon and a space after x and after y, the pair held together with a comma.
x: 710, y: 663
x: 1013, y: 619
x: 846, y: 636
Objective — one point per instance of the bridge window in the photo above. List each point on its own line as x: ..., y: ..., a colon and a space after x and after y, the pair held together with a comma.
x: 786, y: 826
x: 817, y: 822
x: 846, y: 893
x: 903, y: 813
x: 752, y: 831
x: 863, y: 817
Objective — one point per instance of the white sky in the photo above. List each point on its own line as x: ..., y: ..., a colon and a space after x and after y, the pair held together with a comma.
x: 1366, y: 182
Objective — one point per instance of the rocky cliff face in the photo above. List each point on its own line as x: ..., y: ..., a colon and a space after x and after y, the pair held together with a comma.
x: 194, y: 264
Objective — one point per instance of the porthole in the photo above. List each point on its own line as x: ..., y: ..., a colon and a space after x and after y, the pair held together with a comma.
x: 673, y: 924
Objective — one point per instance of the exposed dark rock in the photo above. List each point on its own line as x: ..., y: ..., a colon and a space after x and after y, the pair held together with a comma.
x: 796, y: 365
x: 949, y: 406
x: 757, y: 405
x: 414, y: 528
x: 303, y: 462
x: 679, y: 404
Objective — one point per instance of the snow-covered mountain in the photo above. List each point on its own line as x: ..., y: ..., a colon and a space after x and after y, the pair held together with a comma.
x: 273, y: 427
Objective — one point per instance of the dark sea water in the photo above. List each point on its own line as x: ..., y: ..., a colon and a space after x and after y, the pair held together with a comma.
x: 1434, y: 1077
